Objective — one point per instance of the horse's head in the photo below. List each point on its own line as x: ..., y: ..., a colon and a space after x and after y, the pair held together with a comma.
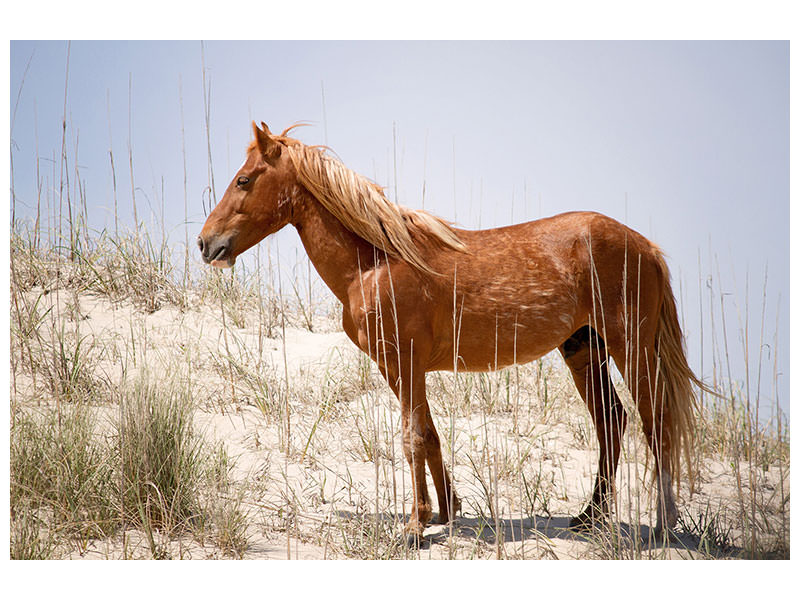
x: 257, y: 203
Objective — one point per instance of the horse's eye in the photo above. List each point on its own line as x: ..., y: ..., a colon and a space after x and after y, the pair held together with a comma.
x: 242, y: 181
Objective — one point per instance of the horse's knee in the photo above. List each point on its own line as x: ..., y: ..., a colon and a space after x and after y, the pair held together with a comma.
x: 415, y: 441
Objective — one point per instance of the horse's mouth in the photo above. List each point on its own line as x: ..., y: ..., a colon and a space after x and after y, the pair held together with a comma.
x: 224, y: 262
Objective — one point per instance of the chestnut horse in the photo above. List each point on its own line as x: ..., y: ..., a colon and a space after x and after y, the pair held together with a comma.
x: 419, y: 295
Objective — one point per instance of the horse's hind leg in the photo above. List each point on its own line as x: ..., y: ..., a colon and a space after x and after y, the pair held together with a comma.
x: 649, y: 394
x: 587, y: 358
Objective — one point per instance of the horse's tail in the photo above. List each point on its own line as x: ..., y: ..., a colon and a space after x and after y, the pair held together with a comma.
x: 677, y: 379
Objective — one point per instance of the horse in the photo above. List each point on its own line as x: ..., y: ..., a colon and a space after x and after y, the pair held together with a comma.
x: 420, y: 295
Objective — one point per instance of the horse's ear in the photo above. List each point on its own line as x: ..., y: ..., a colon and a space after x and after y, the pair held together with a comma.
x: 268, y: 146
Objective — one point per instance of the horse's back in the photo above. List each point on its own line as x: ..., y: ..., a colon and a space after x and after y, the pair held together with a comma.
x: 560, y: 249
x: 559, y: 230
x: 521, y: 290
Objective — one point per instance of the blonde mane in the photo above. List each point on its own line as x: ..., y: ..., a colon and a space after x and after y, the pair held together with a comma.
x: 362, y: 207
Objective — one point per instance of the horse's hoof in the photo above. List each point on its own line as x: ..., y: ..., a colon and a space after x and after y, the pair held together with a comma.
x: 583, y: 522
x: 665, y: 535
x: 443, y: 519
x: 445, y: 516
x: 416, y: 541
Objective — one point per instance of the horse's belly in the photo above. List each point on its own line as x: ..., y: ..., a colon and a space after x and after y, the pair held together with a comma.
x: 481, y: 345
x: 469, y: 361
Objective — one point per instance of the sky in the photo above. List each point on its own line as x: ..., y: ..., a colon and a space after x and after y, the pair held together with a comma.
x: 686, y: 142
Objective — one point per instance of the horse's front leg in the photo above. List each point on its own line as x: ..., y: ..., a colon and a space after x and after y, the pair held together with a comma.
x: 414, y: 411
x: 401, y: 364
x: 408, y: 384
x: 449, y: 504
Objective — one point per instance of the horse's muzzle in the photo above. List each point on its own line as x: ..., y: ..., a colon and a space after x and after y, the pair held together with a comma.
x: 216, y: 250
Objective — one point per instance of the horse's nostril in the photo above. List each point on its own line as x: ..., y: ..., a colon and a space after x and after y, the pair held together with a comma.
x: 200, y: 243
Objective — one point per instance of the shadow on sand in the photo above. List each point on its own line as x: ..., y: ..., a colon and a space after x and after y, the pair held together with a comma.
x: 553, y: 528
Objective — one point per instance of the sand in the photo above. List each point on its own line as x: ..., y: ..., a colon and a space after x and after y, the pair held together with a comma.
x: 523, y: 455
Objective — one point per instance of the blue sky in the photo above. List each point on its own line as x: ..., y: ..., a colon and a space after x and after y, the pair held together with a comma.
x: 687, y: 142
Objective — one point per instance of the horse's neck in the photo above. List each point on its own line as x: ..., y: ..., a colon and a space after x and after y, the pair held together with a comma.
x: 339, y: 255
